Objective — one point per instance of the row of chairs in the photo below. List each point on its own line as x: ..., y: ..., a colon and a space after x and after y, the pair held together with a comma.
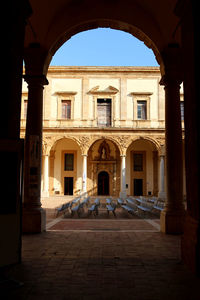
x: 142, y: 205
x: 70, y: 206
x: 131, y: 205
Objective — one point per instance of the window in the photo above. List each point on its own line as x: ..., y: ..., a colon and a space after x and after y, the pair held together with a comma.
x: 141, y: 105
x: 141, y: 109
x: 66, y: 109
x: 138, y: 162
x: 182, y: 110
x: 69, y: 162
x: 104, y: 112
x: 25, y: 107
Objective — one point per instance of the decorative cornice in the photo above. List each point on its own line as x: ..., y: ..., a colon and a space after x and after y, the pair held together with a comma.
x: 109, y: 90
x: 65, y: 93
x: 102, y: 69
x: 141, y: 93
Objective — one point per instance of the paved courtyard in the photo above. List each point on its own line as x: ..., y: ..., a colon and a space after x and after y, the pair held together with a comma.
x: 102, y: 259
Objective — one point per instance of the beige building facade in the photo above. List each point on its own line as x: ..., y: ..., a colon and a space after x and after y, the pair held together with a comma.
x: 103, y: 131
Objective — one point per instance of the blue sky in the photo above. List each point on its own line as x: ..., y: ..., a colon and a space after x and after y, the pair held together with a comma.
x: 104, y: 47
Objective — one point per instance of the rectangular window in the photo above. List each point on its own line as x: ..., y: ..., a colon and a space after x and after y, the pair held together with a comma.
x: 66, y: 109
x: 141, y: 110
x: 25, y: 108
x: 138, y: 162
x: 182, y: 110
x: 104, y: 112
x: 69, y: 162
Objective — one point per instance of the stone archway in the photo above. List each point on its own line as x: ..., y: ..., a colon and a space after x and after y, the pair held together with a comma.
x: 65, y: 166
x: 104, y: 159
x: 143, y: 167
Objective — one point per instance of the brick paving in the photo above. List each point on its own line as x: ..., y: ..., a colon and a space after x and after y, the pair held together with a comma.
x: 96, y: 259
x: 103, y: 225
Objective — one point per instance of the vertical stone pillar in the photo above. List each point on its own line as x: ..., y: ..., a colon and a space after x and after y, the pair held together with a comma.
x: 45, y: 192
x: 189, y: 23
x: 51, y: 172
x: 84, y: 178
x: 11, y: 146
x: 123, y: 177
x: 162, y: 194
x: 155, y: 173
x: 33, y: 214
x: 173, y: 213
x: 114, y: 178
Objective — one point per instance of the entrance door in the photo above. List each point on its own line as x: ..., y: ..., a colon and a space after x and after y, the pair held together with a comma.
x: 138, y: 187
x: 103, y: 183
x: 68, y: 185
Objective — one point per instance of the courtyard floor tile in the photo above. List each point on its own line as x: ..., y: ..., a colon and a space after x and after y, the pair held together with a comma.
x: 102, y: 259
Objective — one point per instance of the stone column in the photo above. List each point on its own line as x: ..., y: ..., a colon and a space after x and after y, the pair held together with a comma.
x: 123, y: 176
x: 33, y: 214
x: 173, y: 213
x: 162, y: 194
x: 45, y: 192
x: 51, y: 172
x: 84, y: 178
x: 155, y: 173
x: 189, y: 23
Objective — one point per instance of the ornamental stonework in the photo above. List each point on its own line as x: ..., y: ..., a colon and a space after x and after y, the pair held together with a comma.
x: 83, y: 142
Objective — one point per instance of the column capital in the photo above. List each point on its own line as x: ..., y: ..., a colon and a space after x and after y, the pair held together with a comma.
x: 36, y: 59
x: 161, y: 152
x: 36, y: 79
x: 52, y: 154
x: 172, y: 58
x: 169, y: 79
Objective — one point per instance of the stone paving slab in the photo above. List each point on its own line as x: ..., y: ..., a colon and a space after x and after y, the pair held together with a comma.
x: 67, y: 264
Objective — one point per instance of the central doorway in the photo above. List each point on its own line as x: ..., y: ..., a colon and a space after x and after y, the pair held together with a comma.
x: 68, y: 185
x: 138, y: 187
x: 103, y: 183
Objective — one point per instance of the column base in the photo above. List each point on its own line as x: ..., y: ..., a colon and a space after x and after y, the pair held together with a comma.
x: 171, y: 222
x: 85, y: 194
x: 33, y: 220
x: 162, y: 195
x: 122, y: 195
x: 44, y: 194
x: 190, y: 244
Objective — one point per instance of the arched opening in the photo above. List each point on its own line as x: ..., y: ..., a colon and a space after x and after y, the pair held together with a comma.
x: 143, y: 167
x: 48, y: 27
x: 65, y: 167
x: 103, y: 183
x: 104, y: 47
x: 111, y: 23
x: 103, y: 159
